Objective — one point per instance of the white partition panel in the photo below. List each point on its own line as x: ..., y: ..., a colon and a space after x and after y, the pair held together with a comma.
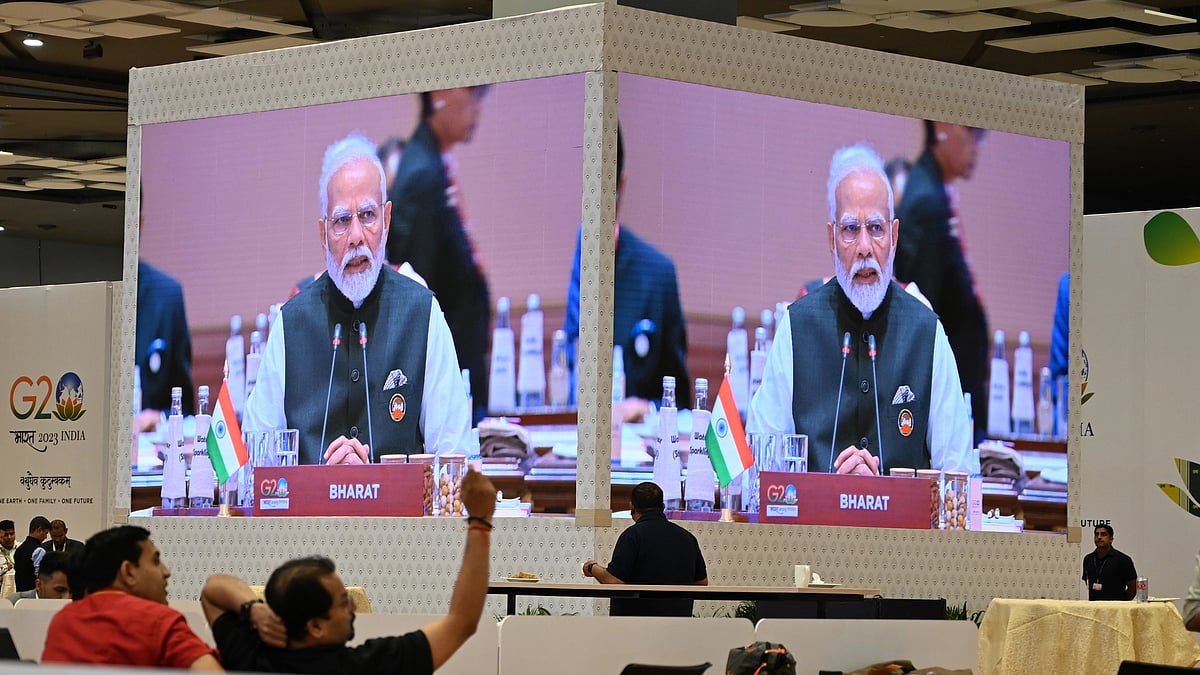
x: 850, y: 644
x: 537, y: 645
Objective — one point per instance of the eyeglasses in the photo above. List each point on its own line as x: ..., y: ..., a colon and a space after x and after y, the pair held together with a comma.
x: 340, y: 221
x: 851, y: 230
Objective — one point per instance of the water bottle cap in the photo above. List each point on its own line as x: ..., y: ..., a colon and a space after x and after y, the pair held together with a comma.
x: 203, y: 391
x: 176, y: 391
x: 767, y: 318
x: 701, y: 383
x: 618, y: 358
x: 1023, y: 338
x: 999, y: 338
x: 533, y: 302
x: 668, y: 380
x: 235, y: 323
x: 502, y: 304
x: 261, y: 321
x: 739, y: 316
x: 255, y: 337
x: 760, y: 333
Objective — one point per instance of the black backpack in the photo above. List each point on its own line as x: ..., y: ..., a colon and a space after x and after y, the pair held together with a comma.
x: 760, y: 658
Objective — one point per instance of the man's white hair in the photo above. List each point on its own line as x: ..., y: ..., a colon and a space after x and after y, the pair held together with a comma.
x: 850, y: 160
x: 352, y: 148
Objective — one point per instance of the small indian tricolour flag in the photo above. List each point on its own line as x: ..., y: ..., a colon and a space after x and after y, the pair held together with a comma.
x: 726, y: 439
x: 225, y: 446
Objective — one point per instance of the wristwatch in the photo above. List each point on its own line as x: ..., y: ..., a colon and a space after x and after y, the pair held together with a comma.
x: 589, y: 567
x: 244, y: 610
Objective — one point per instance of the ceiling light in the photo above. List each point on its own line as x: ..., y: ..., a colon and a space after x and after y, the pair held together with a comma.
x: 32, y: 40
x: 1, y: 228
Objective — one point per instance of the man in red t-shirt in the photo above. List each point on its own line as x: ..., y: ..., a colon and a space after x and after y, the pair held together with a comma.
x: 123, y: 617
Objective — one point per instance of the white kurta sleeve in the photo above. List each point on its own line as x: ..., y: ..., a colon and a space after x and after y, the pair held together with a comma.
x: 445, y: 415
x: 264, y: 407
x: 771, y: 408
x: 949, y: 434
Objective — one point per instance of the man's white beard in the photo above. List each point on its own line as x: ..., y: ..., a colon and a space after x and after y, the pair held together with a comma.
x: 865, y: 297
x: 356, y: 287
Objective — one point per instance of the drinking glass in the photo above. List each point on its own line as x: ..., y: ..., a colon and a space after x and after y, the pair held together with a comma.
x: 795, y: 453
x: 287, y: 447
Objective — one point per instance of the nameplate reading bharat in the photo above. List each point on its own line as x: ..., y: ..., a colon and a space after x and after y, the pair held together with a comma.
x: 343, y: 490
x: 833, y: 499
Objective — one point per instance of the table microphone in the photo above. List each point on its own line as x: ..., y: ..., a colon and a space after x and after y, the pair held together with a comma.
x: 838, y: 409
x: 362, y: 340
x: 337, y: 340
x: 875, y: 383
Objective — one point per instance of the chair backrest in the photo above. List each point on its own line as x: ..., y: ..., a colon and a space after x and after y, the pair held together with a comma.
x: 42, y: 603
x: 532, y: 645
x: 823, y: 645
x: 28, y: 626
x: 645, y: 669
x: 478, y: 655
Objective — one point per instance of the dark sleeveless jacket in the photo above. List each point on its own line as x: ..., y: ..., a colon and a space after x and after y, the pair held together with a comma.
x: 904, y: 332
x: 397, y: 317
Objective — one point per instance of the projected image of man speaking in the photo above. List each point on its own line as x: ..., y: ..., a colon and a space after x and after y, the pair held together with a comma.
x: 361, y: 361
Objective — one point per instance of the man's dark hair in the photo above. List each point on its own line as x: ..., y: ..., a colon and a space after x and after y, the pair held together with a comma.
x: 1106, y: 527
x: 39, y: 523
x: 55, y: 562
x: 647, y: 498
x: 103, y: 554
x: 7, y: 525
x: 930, y: 135
x: 295, y: 593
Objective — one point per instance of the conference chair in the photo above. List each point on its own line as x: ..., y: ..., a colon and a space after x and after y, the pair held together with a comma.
x: 645, y: 669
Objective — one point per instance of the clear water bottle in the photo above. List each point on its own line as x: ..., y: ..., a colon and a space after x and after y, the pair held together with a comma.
x: 998, y: 400
x: 174, y: 481
x: 666, y: 457
x: 701, y: 479
x: 204, y: 481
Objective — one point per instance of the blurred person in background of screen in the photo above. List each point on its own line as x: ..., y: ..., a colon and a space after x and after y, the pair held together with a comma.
x: 431, y: 228
x: 648, y: 320
x: 933, y: 251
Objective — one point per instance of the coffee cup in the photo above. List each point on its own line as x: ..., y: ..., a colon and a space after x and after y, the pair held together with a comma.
x: 803, y: 576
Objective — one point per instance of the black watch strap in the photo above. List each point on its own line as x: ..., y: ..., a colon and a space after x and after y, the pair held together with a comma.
x: 244, y: 610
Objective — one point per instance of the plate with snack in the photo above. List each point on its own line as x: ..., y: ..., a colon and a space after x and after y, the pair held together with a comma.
x: 525, y: 577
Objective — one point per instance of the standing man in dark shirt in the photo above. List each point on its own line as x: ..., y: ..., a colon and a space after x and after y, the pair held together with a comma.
x: 309, y: 617
x: 651, y: 551
x: 432, y: 232
x: 1108, y: 573
x: 30, y: 553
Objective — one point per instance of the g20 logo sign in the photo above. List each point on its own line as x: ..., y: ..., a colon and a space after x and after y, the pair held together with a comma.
x: 782, y: 494
x: 28, y: 398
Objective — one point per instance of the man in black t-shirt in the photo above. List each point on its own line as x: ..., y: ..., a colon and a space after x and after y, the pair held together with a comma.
x: 309, y: 617
x: 1108, y: 573
x: 651, y: 551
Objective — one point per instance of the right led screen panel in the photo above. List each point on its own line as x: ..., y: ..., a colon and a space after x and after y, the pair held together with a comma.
x: 732, y: 187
